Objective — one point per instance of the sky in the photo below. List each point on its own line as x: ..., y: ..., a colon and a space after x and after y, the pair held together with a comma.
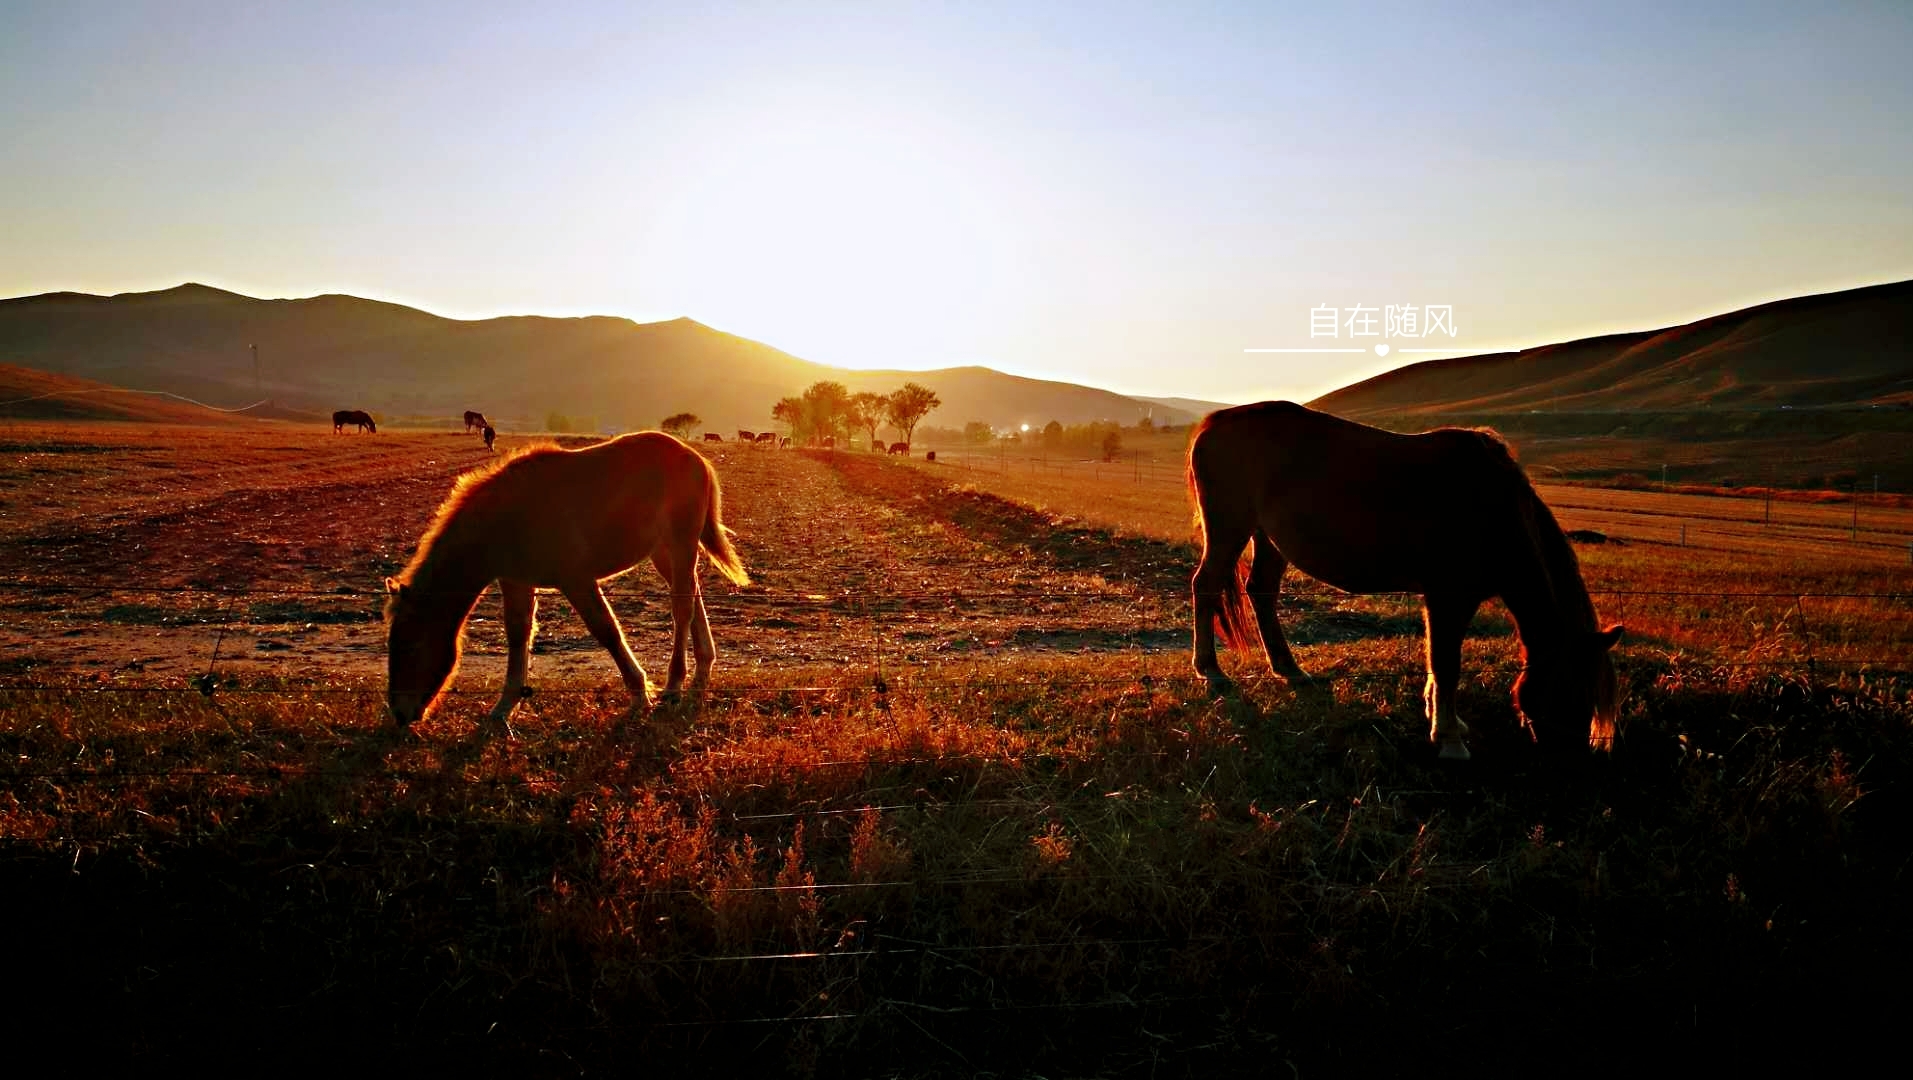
x: 1127, y: 196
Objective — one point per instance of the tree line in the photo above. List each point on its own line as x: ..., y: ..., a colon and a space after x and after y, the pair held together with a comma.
x: 829, y: 410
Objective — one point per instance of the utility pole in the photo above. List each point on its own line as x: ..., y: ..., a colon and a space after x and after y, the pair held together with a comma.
x: 256, y: 391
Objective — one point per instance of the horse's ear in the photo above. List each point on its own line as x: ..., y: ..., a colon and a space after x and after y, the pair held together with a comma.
x: 394, y: 586
x: 1610, y: 637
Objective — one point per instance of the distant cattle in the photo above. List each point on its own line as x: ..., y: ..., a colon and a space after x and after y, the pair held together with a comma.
x: 766, y: 437
x: 784, y: 443
x: 900, y: 448
x: 712, y: 436
x: 353, y: 416
x: 475, y: 421
x: 490, y: 435
x: 746, y: 436
x: 931, y: 456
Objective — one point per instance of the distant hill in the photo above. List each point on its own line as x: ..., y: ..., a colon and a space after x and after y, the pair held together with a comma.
x: 26, y: 394
x: 1834, y: 350
x: 326, y: 352
x: 1191, y: 406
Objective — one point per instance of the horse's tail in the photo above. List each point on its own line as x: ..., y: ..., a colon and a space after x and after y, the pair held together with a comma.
x: 1235, y: 619
x: 715, y: 538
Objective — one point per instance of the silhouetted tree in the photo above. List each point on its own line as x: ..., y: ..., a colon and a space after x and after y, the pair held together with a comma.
x: 1112, y: 445
x: 976, y: 431
x: 907, y: 407
x: 680, y: 424
x: 790, y: 411
x: 867, y: 411
x: 1053, y: 435
x: 827, y: 408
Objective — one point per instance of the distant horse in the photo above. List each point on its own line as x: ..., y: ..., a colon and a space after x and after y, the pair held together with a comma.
x: 353, y: 416
x: 900, y: 448
x: 491, y: 435
x: 475, y: 421
x: 712, y: 436
x: 1447, y: 514
x: 562, y: 519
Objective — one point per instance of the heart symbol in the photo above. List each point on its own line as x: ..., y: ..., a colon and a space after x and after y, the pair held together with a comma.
x: 1381, y: 350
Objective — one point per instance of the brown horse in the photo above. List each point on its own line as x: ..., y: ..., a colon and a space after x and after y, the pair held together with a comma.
x: 562, y: 519
x: 475, y: 421
x: 1448, y: 514
x: 358, y: 417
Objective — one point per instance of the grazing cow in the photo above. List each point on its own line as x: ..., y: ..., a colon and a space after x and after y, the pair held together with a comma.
x: 746, y: 436
x: 767, y: 437
x: 931, y: 456
x: 712, y: 436
x: 490, y: 435
x: 900, y: 448
x: 475, y: 421
x: 353, y: 416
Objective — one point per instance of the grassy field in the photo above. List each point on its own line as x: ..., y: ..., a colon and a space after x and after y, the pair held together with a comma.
x: 955, y: 804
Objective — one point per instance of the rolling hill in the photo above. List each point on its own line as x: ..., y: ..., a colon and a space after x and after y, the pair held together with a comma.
x: 1834, y: 350
x: 327, y: 352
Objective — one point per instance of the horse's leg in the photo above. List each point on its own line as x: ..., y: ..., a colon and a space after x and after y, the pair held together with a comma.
x: 596, y: 612
x: 1222, y: 543
x: 521, y: 622
x: 1447, y: 620
x: 680, y: 574
x: 1265, y: 584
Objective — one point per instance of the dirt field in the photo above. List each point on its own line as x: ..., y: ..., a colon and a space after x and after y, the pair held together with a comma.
x: 155, y: 554
x: 954, y: 806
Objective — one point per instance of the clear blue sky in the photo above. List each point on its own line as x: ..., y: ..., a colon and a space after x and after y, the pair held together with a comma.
x: 1123, y: 195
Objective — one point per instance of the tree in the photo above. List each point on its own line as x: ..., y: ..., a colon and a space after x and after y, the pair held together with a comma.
x: 826, y: 408
x: 1053, y: 435
x: 976, y: 431
x: 1145, y: 425
x: 1112, y: 444
x: 557, y: 421
x: 907, y: 407
x: 680, y: 424
x: 867, y: 410
x: 789, y: 411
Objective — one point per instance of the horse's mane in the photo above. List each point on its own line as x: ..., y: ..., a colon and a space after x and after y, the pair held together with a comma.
x: 465, y: 490
x: 1560, y: 568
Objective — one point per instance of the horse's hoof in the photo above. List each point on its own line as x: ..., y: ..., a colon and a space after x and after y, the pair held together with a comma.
x: 1454, y: 750
x: 1220, y: 686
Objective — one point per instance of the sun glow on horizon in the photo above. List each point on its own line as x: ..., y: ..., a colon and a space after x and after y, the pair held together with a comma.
x: 845, y: 236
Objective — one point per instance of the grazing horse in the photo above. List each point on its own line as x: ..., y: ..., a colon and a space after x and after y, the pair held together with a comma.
x: 1448, y: 514
x: 475, y: 421
x: 353, y: 416
x: 900, y: 448
x: 491, y: 435
x: 561, y: 519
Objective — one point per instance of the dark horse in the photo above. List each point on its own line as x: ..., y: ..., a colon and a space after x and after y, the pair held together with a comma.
x: 1447, y: 514
x: 475, y: 421
x: 353, y: 416
x: 561, y: 519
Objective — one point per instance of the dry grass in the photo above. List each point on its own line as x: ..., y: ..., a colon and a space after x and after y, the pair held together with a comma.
x: 999, y: 837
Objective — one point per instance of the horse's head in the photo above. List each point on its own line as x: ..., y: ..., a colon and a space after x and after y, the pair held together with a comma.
x: 1573, y: 687
x: 420, y: 653
x: 372, y: 425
